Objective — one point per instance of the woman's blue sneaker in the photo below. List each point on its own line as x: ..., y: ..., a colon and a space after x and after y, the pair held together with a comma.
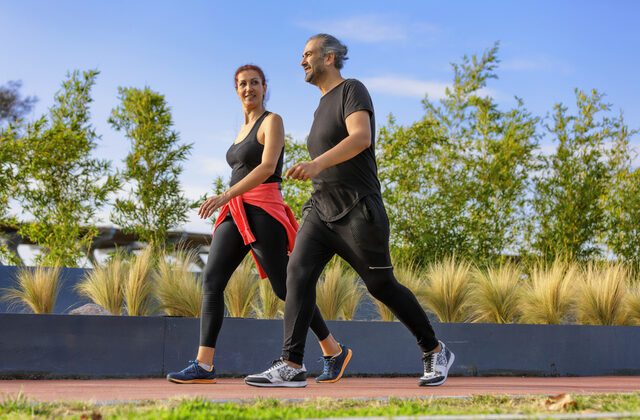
x: 334, y: 365
x: 193, y: 374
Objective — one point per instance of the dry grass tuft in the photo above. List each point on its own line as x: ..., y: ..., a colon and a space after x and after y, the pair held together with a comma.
x: 633, y: 305
x: 178, y: 290
x: 549, y: 293
x: 495, y: 295
x: 446, y: 292
x: 383, y: 311
x: 269, y: 306
x: 104, y: 285
x: 241, y: 290
x: 602, y: 294
x: 138, y: 287
x: 36, y: 289
x: 357, y: 290
x: 333, y: 292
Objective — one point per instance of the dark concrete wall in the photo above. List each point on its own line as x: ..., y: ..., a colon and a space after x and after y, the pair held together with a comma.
x: 50, y: 346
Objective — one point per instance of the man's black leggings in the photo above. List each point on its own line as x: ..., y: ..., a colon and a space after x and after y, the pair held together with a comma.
x: 361, y: 238
x: 225, y: 255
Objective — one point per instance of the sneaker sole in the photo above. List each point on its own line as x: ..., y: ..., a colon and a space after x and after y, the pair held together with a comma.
x: 344, y: 365
x: 297, y: 384
x: 449, y: 364
x: 193, y: 381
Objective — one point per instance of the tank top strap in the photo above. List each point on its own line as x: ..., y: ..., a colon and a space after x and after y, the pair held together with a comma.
x: 257, y: 124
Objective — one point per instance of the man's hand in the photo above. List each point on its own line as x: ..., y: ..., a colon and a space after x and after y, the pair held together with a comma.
x: 303, y: 170
x: 211, y: 204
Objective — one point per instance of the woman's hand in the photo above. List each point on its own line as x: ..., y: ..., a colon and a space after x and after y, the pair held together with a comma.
x: 212, y: 204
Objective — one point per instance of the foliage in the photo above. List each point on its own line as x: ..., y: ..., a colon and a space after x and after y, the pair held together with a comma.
x: 10, y: 156
x: 602, y: 293
x: 156, y: 203
x: 294, y: 192
x: 549, y: 293
x: 495, y: 294
x: 623, y: 216
x: 64, y: 186
x: 570, y: 189
x: 447, y: 290
x: 104, y: 285
x: 138, y: 288
x: 178, y: 290
x: 241, y: 289
x: 36, y: 288
x: 332, y: 292
x: 268, y: 305
x: 455, y: 181
x: 12, y: 105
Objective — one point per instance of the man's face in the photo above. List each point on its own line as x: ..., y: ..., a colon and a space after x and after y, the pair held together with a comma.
x: 312, y: 61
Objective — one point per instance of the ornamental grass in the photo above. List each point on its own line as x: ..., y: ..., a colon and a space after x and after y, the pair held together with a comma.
x: 414, y: 278
x: 549, y: 293
x: 177, y: 289
x: 241, y: 290
x: 268, y: 305
x: 602, y: 294
x: 354, y: 299
x: 633, y: 305
x: 138, y: 298
x: 446, y: 291
x: 495, y: 294
x: 36, y: 289
x: 104, y: 285
x: 332, y: 291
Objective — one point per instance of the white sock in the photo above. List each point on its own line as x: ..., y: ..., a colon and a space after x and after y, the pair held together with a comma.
x: 205, y: 366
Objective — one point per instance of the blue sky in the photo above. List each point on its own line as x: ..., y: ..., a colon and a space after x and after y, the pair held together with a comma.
x: 189, y: 50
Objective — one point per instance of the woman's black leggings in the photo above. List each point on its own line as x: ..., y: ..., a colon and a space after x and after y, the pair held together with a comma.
x: 227, y: 252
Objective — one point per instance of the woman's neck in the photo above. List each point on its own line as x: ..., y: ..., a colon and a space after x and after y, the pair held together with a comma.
x: 250, y: 115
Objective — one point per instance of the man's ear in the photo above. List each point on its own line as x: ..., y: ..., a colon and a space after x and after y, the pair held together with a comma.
x: 329, y: 59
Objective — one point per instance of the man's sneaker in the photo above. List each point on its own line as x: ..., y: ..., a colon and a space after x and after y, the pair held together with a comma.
x: 193, y: 374
x: 436, y: 366
x: 334, y: 365
x: 280, y: 374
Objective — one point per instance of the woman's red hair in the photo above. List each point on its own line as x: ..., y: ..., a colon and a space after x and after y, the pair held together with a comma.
x: 250, y: 67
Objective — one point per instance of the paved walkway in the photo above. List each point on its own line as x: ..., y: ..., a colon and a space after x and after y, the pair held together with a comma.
x: 110, y: 390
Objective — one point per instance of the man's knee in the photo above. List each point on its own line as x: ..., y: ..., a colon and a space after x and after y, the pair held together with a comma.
x: 380, y: 284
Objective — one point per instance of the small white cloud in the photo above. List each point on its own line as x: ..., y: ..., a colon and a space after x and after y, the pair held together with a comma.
x: 369, y: 28
x: 413, y: 88
x: 400, y: 86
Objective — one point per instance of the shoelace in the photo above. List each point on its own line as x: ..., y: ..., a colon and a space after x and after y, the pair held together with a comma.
x: 276, y: 364
x: 327, y: 364
x: 428, y: 359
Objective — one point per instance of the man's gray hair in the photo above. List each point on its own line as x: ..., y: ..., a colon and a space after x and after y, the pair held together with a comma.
x: 331, y: 44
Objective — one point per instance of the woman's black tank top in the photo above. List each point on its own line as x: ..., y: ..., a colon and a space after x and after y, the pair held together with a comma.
x: 243, y: 157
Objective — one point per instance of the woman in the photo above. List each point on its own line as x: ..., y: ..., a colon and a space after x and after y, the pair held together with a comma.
x: 253, y: 218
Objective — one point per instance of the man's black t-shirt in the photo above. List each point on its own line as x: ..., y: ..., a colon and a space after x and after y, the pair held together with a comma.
x: 337, y: 189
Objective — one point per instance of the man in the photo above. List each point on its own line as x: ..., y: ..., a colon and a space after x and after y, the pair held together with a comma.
x: 345, y: 216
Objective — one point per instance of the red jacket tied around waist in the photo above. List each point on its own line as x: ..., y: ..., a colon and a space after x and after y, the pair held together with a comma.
x: 269, y: 199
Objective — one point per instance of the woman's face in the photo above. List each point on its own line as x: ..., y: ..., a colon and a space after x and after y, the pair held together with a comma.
x: 250, y: 88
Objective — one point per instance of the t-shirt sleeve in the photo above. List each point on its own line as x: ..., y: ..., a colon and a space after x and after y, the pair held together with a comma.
x: 356, y: 98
